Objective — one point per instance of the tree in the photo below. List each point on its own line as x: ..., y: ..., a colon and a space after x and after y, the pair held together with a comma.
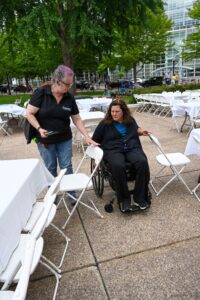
x: 191, y: 48
x: 143, y: 43
x: 74, y: 24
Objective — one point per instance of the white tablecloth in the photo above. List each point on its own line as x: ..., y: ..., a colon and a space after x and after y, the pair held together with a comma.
x: 98, y: 103
x: 191, y: 108
x: 12, y: 109
x: 92, y: 115
x: 191, y: 147
x: 20, y: 182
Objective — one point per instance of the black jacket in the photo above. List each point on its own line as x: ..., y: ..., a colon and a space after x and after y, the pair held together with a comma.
x: 111, y: 140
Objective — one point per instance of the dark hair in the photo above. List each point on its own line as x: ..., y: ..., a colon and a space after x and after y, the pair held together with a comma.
x: 127, y: 119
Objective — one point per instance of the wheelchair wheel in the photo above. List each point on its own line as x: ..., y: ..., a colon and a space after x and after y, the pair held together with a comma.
x: 97, y: 179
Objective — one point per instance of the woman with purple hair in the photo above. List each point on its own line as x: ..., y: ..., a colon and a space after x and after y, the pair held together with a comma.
x: 49, y: 112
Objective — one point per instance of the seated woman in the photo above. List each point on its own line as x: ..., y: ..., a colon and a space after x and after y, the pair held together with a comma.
x: 118, y: 134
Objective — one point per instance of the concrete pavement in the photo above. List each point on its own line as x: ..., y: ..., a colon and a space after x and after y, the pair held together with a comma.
x: 152, y: 255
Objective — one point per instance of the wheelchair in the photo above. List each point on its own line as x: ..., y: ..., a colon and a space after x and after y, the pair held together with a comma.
x: 104, y: 174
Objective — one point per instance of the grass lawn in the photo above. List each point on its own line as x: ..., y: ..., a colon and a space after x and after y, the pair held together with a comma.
x: 9, y: 99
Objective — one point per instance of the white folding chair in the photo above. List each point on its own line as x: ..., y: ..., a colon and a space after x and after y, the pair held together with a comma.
x: 18, y: 254
x: 4, y: 125
x: 25, y: 264
x: 80, y: 182
x: 13, y: 270
x: 39, y: 211
x: 197, y: 141
x: 169, y: 160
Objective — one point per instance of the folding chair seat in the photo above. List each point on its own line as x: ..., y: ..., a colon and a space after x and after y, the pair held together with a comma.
x: 169, y: 160
x: 12, y: 269
x: 80, y: 182
x: 37, y: 213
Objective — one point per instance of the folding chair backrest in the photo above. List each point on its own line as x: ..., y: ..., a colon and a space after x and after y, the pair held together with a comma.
x: 95, y: 152
x: 156, y: 142
x: 55, y: 185
x: 21, y: 289
x: 41, y: 222
x: 25, y: 265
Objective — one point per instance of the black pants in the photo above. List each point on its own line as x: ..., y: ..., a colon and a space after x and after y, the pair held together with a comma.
x: 139, y: 163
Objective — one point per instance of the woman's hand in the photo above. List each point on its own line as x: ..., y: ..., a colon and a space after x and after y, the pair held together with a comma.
x: 143, y: 132
x: 90, y: 141
x: 43, y: 132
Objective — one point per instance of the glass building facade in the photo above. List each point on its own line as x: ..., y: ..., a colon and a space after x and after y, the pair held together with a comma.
x: 171, y: 61
x: 177, y: 11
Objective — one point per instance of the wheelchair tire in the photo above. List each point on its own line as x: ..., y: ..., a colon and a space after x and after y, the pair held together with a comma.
x: 97, y: 179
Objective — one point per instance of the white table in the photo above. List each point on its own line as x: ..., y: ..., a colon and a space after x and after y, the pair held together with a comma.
x: 92, y: 115
x: 20, y: 183
x: 98, y: 103
x: 191, y: 147
x: 12, y: 109
x: 189, y: 110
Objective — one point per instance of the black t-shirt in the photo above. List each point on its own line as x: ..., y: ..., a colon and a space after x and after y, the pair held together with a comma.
x: 54, y: 116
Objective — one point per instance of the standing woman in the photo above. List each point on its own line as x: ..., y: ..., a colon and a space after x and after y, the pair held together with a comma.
x: 49, y: 111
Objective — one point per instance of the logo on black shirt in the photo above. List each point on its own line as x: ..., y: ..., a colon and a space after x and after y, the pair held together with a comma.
x: 66, y: 108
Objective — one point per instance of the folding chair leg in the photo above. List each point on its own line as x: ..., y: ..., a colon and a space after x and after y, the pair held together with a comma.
x: 57, y: 276
x: 4, y: 130
x: 67, y: 240
x: 176, y: 174
x: 58, y: 267
x: 94, y: 208
x: 194, y: 192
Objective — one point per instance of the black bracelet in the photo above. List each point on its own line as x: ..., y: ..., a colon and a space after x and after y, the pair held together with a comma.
x: 38, y: 128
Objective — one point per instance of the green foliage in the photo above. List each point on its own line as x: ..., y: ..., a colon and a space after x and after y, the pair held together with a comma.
x: 120, y: 74
x: 37, y: 35
x: 191, y: 48
x: 141, y: 43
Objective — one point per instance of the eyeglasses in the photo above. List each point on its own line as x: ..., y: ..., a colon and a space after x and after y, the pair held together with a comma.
x: 68, y: 85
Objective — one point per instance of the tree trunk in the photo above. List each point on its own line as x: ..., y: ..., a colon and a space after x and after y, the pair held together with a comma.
x: 135, y: 73
x: 8, y: 83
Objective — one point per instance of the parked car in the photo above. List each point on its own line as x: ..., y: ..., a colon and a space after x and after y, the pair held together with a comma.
x: 121, y: 84
x: 3, y: 88
x: 23, y: 88
x: 82, y: 85
x: 157, y: 80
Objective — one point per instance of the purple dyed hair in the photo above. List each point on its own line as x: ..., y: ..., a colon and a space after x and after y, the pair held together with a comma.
x: 61, y: 72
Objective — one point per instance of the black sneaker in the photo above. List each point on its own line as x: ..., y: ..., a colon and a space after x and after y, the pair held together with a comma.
x: 141, y: 206
x: 125, y: 206
x: 144, y: 205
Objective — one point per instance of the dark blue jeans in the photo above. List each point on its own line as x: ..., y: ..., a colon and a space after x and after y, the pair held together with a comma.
x: 54, y: 154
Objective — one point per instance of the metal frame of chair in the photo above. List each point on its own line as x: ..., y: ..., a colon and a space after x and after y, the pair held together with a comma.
x: 25, y: 265
x: 197, y: 140
x: 38, y: 213
x: 3, y: 124
x: 169, y: 160
x: 80, y: 182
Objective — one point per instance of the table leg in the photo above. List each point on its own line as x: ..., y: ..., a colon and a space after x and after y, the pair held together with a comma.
x: 187, y: 117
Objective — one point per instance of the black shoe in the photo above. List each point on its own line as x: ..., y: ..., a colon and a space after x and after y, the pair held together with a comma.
x: 126, y: 206
x: 144, y: 205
